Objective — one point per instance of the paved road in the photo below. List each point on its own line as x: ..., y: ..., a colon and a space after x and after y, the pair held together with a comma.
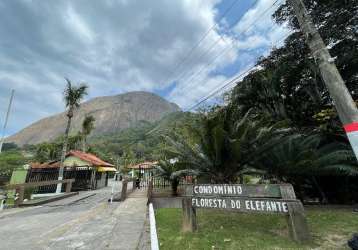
x: 86, y: 221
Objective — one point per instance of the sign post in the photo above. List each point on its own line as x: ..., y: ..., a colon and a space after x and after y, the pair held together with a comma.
x: 279, y: 199
x: 189, y: 216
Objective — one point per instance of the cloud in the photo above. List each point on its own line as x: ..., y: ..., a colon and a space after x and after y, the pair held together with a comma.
x: 78, y: 25
x: 251, y: 37
x: 257, y: 28
x: 115, y: 46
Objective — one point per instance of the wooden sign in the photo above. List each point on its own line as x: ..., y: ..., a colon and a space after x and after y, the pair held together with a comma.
x: 280, y: 199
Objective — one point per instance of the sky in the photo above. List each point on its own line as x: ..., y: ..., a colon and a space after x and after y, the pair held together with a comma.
x: 116, y: 46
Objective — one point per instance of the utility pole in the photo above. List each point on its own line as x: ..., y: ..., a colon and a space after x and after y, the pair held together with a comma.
x: 6, y: 119
x: 345, y: 106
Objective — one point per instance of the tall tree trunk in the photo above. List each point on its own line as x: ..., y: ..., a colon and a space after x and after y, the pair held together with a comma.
x: 64, y: 150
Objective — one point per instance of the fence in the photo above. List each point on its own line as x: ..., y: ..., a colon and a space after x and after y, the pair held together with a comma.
x: 161, y: 183
x: 82, y: 177
x: 20, y: 188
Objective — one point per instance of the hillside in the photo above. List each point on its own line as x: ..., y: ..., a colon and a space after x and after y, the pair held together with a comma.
x: 112, y: 114
x: 145, y: 140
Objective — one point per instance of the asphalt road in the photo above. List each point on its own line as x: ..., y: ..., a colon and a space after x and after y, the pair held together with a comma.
x: 86, y: 221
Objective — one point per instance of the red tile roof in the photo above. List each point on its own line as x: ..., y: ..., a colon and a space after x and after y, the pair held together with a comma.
x: 90, y: 158
x: 52, y: 164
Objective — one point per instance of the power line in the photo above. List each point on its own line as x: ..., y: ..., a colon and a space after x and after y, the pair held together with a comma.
x: 182, y: 75
x: 224, y: 51
x: 233, y: 81
x: 227, y: 84
x: 220, y: 88
x: 178, y: 65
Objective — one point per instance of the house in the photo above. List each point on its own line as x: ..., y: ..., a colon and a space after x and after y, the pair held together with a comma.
x: 88, y: 170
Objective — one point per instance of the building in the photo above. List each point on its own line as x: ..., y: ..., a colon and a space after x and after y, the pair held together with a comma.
x: 89, y: 171
x: 143, y: 168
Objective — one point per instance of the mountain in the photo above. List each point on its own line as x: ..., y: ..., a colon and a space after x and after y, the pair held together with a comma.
x: 145, y: 141
x: 112, y: 114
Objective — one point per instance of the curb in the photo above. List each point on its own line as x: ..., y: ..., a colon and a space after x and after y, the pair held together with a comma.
x: 49, y: 200
x: 153, y: 229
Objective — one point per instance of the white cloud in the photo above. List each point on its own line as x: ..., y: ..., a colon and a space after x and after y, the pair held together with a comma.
x: 257, y: 18
x: 115, y: 46
x: 257, y: 28
x: 78, y: 25
x: 255, y: 31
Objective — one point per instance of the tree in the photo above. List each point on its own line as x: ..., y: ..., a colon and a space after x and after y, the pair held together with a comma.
x: 288, y: 78
x: 73, y: 96
x: 10, y: 160
x: 225, y: 148
x: 9, y: 146
x: 169, y: 170
x: 47, y: 152
x: 336, y: 21
x: 51, y: 151
x: 300, y: 159
x: 87, y: 127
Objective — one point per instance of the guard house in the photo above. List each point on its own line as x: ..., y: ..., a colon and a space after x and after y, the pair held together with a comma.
x: 89, y: 171
x: 143, y: 169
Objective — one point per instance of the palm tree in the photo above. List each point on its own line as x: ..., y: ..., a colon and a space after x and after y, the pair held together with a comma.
x: 225, y: 149
x: 73, y: 96
x: 172, y: 172
x: 87, y: 127
x: 299, y: 159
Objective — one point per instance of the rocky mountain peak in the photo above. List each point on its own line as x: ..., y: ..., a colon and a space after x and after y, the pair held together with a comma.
x: 112, y: 114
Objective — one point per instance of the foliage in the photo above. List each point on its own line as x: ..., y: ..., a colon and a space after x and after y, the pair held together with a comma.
x: 328, y: 121
x: 9, y: 146
x: 51, y: 151
x: 10, y: 160
x: 143, y: 142
x: 301, y: 159
x: 224, y: 149
x: 73, y: 95
x: 169, y: 170
x: 87, y: 127
x: 304, y: 155
x: 287, y: 83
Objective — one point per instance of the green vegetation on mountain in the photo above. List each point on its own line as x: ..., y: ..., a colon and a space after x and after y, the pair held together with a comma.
x: 145, y: 141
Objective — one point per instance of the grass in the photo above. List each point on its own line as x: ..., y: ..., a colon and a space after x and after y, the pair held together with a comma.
x: 330, y: 229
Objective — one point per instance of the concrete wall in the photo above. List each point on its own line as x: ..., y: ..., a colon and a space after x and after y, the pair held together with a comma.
x: 101, y: 181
